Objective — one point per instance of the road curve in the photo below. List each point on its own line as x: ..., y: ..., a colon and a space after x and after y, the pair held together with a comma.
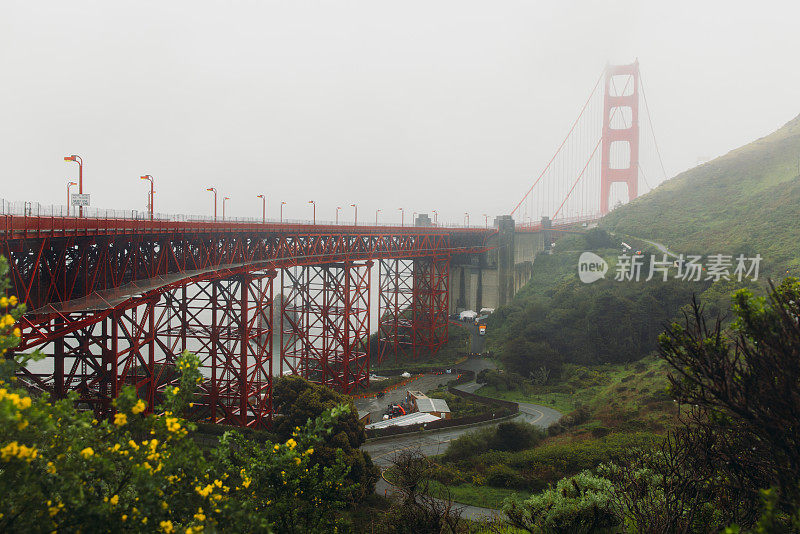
x: 384, y: 450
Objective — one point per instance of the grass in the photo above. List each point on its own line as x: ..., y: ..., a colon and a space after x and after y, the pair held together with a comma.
x: 482, y: 496
x: 562, y: 402
x: 629, y: 395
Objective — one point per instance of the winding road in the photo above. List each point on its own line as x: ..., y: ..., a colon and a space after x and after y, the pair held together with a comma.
x: 384, y: 450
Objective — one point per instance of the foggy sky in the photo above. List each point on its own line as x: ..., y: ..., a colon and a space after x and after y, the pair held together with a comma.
x: 448, y: 105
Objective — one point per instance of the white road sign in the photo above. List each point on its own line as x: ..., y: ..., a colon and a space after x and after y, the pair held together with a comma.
x: 80, y: 199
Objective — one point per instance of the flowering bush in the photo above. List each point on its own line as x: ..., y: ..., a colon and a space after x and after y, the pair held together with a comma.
x: 62, y: 470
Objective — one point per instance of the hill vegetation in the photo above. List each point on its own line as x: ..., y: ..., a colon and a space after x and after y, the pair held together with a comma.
x: 746, y: 201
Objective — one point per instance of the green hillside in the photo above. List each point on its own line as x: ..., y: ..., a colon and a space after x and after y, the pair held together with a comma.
x: 747, y: 201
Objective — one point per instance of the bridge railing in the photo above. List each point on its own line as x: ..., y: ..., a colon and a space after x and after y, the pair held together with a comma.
x: 37, y: 209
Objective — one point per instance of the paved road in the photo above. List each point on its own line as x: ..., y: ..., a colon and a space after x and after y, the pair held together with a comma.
x: 383, y: 451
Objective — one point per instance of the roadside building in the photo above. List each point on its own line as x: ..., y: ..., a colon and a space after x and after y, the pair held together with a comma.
x: 419, y: 402
x: 404, y: 420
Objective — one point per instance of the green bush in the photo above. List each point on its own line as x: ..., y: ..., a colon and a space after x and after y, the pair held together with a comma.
x: 513, y: 436
x: 502, y: 476
x: 579, y: 504
x: 60, y: 470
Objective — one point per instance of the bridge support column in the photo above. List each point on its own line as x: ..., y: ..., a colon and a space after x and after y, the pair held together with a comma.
x: 414, y: 303
x: 96, y: 354
x: 431, y: 301
x: 227, y: 323
x: 325, y: 324
x: 395, y: 299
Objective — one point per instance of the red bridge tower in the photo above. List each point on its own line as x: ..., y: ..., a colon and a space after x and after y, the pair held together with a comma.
x: 620, y: 156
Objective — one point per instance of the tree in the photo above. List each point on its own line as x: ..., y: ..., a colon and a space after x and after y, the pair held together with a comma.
x: 417, y: 510
x: 744, y: 385
x: 297, y: 401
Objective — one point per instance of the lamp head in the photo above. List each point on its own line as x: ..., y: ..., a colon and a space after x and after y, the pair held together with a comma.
x: 70, y: 158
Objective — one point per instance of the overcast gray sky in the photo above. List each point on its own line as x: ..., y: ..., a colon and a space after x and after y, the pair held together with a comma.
x: 448, y: 105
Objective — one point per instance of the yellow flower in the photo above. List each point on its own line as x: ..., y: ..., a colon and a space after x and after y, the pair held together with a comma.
x: 53, y: 510
x: 120, y: 419
x: 17, y: 332
x: 276, y: 448
x: 297, y: 460
x: 114, y: 500
x: 309, y: 452
x: 51, y: 468
x: 172, y: 424
x: 291, y: 443
x: 166, y: 526
x: 200, y: 516
x: 12, y: 300
x: 175, y: 390
x: 87, y: 452
x: 138, y: 407
x: 3, y: 302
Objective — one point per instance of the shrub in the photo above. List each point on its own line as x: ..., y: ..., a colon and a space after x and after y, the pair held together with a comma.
x: 502, y: 476
x: 576, y: 417
x: 582, y: 503
x: 513, y: 436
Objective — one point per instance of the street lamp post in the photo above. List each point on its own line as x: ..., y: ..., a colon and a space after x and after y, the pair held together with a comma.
x: 486, y: 217
x: 214, y: 190
x: 337, y: 213
x: 435, y: 217
x: 314, y: 206
x: 70, y: 184
x: 223, y: 206
x: 263, y: 208
x: 355, y: 216
x: 282, y: 203
x: 376, y: 216
x: 148, y: 177
x: 402, y: 216
x: 79, y: 161
x: 466, y: 217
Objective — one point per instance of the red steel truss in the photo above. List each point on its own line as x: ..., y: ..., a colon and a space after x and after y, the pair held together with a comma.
x: 98, y: 355
x: 414, y: 303
x: 431, y: 304
x: 228, y: 324
x: 115, y: 301
x: 395, y: 314
x: 325, y: 317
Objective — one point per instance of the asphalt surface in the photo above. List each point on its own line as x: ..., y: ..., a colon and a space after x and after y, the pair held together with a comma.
x: 383, y: 451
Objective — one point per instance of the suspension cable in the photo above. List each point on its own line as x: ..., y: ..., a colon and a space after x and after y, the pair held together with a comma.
x: 597, y: 83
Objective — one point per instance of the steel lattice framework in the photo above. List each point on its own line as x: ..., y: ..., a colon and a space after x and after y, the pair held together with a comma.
x: 114, y: 301
x: 325, y: 317
x: 395, y: 309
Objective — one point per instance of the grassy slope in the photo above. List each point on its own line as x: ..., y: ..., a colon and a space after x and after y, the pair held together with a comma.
x: 619, y: 397
x: 745, y: 201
